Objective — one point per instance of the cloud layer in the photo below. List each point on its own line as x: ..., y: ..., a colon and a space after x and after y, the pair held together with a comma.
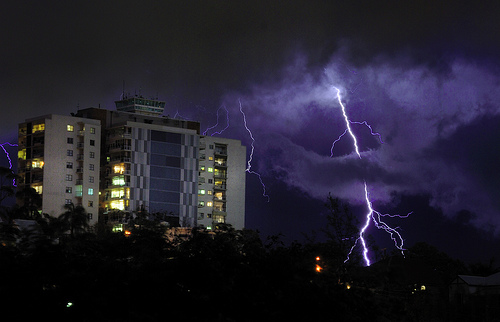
x: 439, y: 132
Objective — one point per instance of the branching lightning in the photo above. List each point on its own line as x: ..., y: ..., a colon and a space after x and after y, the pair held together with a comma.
x: 217, y: 123
x: 372, y: 213
x: 8, y: 158
x: 250, y: 158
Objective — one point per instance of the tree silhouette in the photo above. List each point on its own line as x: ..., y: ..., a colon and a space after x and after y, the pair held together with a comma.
x: 32, y: 201
x: 75, y: 219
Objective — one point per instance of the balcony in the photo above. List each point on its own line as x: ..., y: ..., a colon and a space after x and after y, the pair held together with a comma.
x: 220, y: 151
x: 118, y: 147
x: 120, y: 159
x: 219, y: 213
x: 81, y: 132
x: 79, y: 170
x: 80, y: 145
x: 79, y: 157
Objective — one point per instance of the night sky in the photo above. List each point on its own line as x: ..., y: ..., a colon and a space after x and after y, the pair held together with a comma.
x: 423, y: 74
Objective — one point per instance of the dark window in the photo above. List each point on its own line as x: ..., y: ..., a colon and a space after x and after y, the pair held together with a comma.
x: 70, y: 140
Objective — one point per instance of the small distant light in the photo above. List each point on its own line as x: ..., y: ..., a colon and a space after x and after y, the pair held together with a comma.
x: 127, y: 233
x: 422, y: 288
x: 317, y: 258
x: 318, y: 268
x: 348, y: 286
x: 69, y: 304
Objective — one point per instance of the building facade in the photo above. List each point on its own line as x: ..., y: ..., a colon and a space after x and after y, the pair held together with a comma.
x: 58, y: 156
x: 221, y: 187
x: 140, y: 163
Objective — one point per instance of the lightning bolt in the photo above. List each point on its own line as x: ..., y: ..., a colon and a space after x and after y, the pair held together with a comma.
x: 217, y: 124
x: 372, y: 214
x: 250, y: 158
x: 8, y: 158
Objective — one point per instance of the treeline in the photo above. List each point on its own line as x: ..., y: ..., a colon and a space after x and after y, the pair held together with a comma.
x: 62, y: 269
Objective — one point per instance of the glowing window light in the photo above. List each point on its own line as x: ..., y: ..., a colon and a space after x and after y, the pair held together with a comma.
x: 117, y: 204
x: 38, y: 127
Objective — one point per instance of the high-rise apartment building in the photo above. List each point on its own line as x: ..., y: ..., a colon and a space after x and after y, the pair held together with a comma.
x: 59, y: 157
x: 142, y: 163
x: 221, y: 188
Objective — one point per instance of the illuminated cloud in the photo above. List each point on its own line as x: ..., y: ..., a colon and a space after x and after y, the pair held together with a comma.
x: 420, y: 113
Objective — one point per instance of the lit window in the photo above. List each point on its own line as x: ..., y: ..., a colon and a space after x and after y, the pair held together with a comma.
x: 69, y: 165
x: 91, y: 191
x: 91, y: 179
x: 202, y: 168
x: 210, y: 169
x: 79, y: 191
x: 37, y: 164
x: 21, y: 154
x: 210, y: 158
x: 117, y: 204
x: 69, y: 189
x: 92, y: 155
x: 69, y: 153
x: 70, y: 128
x: 201, y: 203
x: 119, y: 168
x: 119, y: 181
x: 38, y: 189
x: 209, y: 192
x: 201, y: 191
x: 92, y: 130
x: 209, y: 204
x: 219, y: 195
x: 91, y: 203
x: 69, y: 140
x: 69, y: 177
x: 219, y: 219
x: 117, y: 193
x: 38, y: 127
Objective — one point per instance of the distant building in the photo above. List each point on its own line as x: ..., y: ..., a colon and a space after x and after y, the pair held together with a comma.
x: 58, y: 156
x: 466, y: 285
x: 139, y: 162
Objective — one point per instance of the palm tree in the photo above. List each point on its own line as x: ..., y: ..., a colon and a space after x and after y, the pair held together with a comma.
x: 75, y: 218
x: 32, y: 202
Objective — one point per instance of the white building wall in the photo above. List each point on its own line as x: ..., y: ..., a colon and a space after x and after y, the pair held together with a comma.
x: 55, y: 168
